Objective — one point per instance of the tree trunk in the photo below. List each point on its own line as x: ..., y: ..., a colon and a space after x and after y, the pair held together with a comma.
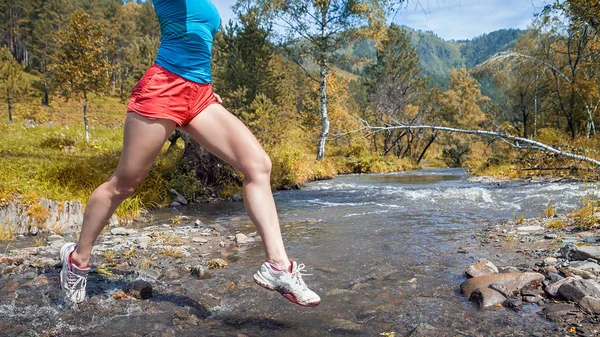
x: 324, y: 115
x: 10, y: 106
x: 85, y: 118
x: 431, y: 140
x: 323, y: 87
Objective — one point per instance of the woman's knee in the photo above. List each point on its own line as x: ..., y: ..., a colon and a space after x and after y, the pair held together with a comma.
x: 259, y: 166
x: 123, y: 188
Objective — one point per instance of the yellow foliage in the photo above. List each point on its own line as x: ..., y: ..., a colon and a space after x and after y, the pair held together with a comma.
x: 7, y: 232
x: 38, y: 213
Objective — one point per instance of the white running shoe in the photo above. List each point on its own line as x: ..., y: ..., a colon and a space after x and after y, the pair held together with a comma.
x: 72, y: 279
x: 289, y: 284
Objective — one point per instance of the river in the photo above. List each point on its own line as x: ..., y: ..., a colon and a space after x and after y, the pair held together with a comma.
x: 382, y: 250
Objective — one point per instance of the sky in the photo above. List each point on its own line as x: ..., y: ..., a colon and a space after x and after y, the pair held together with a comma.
x: 452, y: 19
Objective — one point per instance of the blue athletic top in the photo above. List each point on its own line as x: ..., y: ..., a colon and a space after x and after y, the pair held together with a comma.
x: 187, y: 31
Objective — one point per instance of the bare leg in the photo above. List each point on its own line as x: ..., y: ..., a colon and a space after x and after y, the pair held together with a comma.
x: 142, y: 142
x: 228, y: 138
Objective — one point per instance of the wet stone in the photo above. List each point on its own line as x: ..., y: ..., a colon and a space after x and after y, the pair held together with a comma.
x: 559, y: 312
x: 530, y: 299
x: 423, y: 330
x: 481, y: 268
x: 201, y: 272
x: 139, y: 289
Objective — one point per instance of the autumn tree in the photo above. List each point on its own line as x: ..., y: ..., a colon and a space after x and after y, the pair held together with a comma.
x: 316, y: 29
x: 12, y: 79
x: 394, y: 83
x: 81, y: 65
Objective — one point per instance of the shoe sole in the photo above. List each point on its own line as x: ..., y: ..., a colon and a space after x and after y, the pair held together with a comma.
x: 290, y: 297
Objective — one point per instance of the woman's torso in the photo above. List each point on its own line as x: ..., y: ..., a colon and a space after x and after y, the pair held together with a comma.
x: 187, y: 31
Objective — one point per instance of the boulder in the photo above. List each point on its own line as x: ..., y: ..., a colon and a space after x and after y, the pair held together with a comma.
x: 577, y: 289
x: 552, y: 289
x: 483, y: 267
x: 486, y: 297
x: 589, y: 264
x: 590, y: 304
x: 572, y: 252
x: 511, y: 281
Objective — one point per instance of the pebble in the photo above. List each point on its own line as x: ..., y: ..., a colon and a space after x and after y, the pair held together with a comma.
x: 55, y: 237
x: 199, y: 240
x: 550, y: 236
x: 550, y: 260
x: 530, y: 299
x: 241, y: 239
x: 123, y: 231
x: 201, y: 272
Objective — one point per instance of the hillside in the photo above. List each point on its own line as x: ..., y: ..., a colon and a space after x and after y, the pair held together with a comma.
x: 438, y: 56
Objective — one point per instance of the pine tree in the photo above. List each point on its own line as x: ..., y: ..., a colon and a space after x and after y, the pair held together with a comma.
x: 11, y: 79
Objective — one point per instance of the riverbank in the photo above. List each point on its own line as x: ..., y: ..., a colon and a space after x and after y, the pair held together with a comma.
x: 175, y: 268
x: 558, y: 257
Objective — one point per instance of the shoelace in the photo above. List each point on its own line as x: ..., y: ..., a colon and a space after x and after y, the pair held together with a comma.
x: 297, y: 275
x: 76, y: 282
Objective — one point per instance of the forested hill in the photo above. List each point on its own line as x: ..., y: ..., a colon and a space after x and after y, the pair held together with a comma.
x: 438, y: 56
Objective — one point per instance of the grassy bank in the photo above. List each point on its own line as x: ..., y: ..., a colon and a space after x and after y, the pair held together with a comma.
x: 44, y: 155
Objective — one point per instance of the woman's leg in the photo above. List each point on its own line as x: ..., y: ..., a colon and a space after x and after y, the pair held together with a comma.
x: 228, y: 138
x: 142, y: 141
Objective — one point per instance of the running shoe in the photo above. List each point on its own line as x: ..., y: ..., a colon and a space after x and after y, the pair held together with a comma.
x: 288, y: 283
x: 72, y: 278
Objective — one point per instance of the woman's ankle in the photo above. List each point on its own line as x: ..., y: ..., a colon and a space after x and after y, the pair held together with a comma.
x: 79, y: 260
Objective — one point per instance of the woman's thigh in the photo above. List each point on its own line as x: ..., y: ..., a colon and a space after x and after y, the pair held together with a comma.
x: 225, y: 136
x: 142, y: 141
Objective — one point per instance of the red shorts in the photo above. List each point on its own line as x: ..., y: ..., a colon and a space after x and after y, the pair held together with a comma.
x: 162, y: 94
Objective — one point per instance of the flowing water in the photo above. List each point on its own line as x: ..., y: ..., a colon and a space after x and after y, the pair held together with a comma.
x: 383, y: 253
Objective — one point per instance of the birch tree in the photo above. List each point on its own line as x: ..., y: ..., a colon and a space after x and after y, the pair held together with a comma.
x: 319, y: 28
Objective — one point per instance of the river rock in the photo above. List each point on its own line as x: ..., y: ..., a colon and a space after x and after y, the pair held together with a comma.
x: 530, y: 299
x: 201, y: 272
x: 578, y: 272
x: 550, y: 260
x: 142, y: 241
x: 550, y: 236
x: 509, y: 269
x: 118, y: 231
x: 199, y: 240
x: 589, y: 264
x: 558, y: 312
x: 483, y: 267
x: 511, y: 281
x: 486, y: 297
x: 577, y: 289
x: 424, y: 330
x: 590, y: 304
x: 552, y: 289
x: 34, y: 230
x: 55, y: 237
x: 176, y: 197
x: 139, y: 289
x: 583, y: 253
x: 12, y: 261
x: 39, y: 281
x: 242, y: 239
x: 530, y: 229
